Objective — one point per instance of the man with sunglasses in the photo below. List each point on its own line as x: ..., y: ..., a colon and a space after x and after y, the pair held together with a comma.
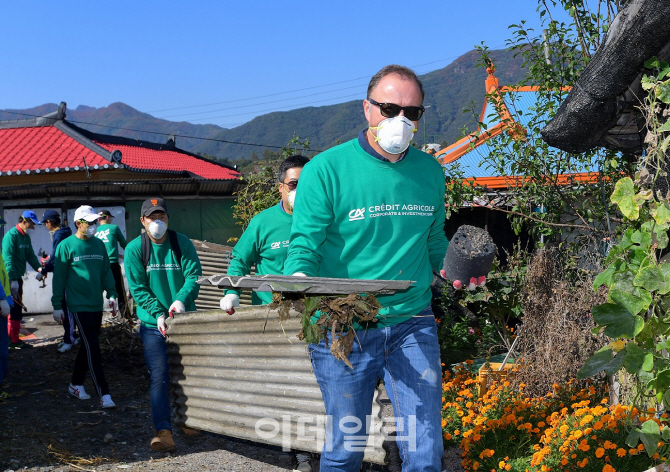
x: 265, y: 241
x: 373, y: 208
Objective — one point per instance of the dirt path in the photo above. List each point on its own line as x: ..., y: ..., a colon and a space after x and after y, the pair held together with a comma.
x: 44, y: 428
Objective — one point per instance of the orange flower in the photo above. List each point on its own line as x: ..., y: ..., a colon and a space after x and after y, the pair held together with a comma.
x: 608, y: 468
x: 621, y: 452
x: 583, y: 463
x: 600, y: 452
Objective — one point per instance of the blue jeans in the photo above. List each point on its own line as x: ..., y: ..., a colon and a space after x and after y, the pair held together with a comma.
x: 4, y: 347
x: 407, y: 357
x: 156, y: 358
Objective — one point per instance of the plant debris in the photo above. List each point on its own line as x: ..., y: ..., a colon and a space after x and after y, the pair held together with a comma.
x: 338, y: 314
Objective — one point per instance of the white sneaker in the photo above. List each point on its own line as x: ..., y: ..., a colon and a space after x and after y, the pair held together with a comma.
x: 302, y: 462
x: 64, y: 347
x: 107, y: 402
x: 79, y: 392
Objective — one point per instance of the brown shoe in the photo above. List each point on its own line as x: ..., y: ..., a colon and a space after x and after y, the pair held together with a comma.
x: 163, y: 441
x: 190, y: 431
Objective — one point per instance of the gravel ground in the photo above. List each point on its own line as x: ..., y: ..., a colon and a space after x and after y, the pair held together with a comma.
x: 43, y: 428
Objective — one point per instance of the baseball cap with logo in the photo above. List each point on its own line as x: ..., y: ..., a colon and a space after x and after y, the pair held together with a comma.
x: 86, y: 213
x: 105, y: 214
x: 30, y: 215
x: 152, y: 205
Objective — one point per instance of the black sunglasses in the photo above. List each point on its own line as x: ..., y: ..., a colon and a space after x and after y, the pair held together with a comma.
x: 389, y: 110
x: 291, y: 184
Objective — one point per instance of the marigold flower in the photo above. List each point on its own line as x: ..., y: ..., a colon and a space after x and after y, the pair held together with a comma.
x: 583, y: 463
x: 608, y: 468
x: 600, y: 452
x: 632, y: 452
x: 621, y: 452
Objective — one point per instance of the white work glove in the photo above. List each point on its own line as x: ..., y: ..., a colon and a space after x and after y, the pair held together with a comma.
x: 160, y: 324
x: 112, y: 305
x: 176, y: 307
x: 58, y: 316
x: 298, y: 274
x: 228, y: 302
x: 4, y: 308
x: 14, y: 287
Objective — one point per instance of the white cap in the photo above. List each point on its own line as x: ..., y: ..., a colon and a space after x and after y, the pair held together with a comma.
x: 85, y: 212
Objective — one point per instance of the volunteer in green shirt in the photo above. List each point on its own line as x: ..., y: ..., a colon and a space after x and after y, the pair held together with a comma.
x: 111, y: 235
x: 81, y: 274
x: 373, y: 208
x: 17, y: 250
x: 265, y: 241
x: 161, y: 283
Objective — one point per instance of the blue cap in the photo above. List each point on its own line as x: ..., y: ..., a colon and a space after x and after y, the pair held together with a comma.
x: 50, y: 215
x: 2, y: 221
x: 30, y: 215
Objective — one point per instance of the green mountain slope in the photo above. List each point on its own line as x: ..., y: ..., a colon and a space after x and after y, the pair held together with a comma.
x: 448, y: 92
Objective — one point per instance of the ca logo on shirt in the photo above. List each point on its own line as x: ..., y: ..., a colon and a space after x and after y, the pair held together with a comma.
x: 276, y: 245
x: 357, y: 214
x: 103, y: 235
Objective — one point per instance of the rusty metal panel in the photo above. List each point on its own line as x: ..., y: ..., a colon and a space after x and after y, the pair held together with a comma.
x: 310, y: 285
x: 248, y: 376
x: 214, y: 259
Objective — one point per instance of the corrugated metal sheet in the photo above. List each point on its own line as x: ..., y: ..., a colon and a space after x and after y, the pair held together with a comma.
x: 214, y: 259
x: 248, y: 376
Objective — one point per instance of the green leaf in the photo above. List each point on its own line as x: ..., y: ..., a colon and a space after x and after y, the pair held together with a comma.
x: 605, y: 277
x: 635, y: 357
x: 659, y: 233
x: 624, y: 197
x: 618, y: 321
x: 663, y: 94
x: 601, y: 361
x: 623, y: 292
x: 661, y: 383
x: 651, y: 278
x: 665, y: 431
x: 650, y: 434
x: 648, y: 363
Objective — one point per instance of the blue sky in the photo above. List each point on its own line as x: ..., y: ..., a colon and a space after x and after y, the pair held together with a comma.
x: 225, y: 62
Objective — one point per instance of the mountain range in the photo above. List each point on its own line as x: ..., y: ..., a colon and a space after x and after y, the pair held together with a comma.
x: 449, y: 91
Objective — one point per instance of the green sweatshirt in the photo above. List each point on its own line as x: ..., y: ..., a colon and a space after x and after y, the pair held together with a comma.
x: 358, y: 217
x: 81, y: 269
x: 17, y: 249
x: 264, y: 243
x: 112, y: 236
x: 161, y: 283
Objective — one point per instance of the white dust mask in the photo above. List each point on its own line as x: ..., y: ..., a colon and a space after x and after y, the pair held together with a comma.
x: 157, y: 229
x: 394, y: 134
x: 90, y: 231
x: 291, y: 199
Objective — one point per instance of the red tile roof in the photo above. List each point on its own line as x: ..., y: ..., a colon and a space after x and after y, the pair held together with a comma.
x: 61, y: 146
x: 40, y: 148
x: 140, y: 158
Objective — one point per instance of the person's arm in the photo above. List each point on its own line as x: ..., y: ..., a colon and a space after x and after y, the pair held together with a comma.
x: 120, y: 238
x: 60, y: 277
x: 49, y: 266
x: 312, y: 214
x: 8, y: 251
x: 32, y: 258
x: 108, y: 283
x: 437, y: 240
x: 191, y: 268
x: 138, y: 283
x: 245, y: 254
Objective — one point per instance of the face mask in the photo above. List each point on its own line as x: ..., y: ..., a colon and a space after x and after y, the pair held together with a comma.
x: 394, y: 134
x: 157, y: 229
x: 291, y: 199
x: 90, y: 231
